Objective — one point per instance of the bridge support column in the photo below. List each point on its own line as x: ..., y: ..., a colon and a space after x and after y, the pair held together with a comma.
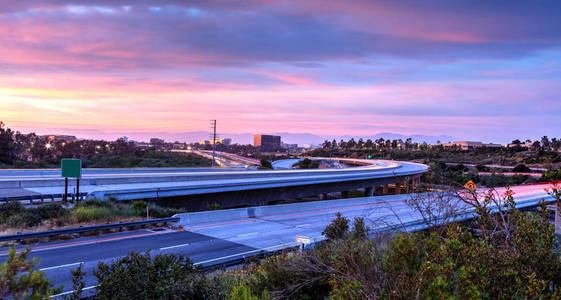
x: 413, y: 183
x: 398, y: 188
x: 385, y: 189
x: 369, y: 191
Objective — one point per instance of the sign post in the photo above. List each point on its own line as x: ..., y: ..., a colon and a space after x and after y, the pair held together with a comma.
x: 470, y: 185
x: 303, y: 240
x: 71, y: 168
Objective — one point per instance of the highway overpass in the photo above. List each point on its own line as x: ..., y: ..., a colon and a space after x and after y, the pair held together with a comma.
x: 192, y: 189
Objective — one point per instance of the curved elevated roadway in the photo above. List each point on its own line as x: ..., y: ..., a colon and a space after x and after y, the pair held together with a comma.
x: 244, y: 187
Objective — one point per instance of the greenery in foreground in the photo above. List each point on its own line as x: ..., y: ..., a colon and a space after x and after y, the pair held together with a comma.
x: 502, y: 254
x: 15, y: 215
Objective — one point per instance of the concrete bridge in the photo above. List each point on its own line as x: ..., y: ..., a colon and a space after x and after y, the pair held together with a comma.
x: 196, y: 188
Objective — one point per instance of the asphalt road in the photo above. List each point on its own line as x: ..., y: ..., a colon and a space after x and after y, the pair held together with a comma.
x: 233, y: 237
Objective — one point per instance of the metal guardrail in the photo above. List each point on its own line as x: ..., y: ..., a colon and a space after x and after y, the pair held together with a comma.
x: 22, y: 236
x: 44, y: 198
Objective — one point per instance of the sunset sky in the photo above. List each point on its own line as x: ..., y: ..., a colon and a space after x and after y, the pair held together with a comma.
x: 483, y: 70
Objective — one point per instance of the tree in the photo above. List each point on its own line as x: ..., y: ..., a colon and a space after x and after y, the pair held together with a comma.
x: 408, y: 143
x: 360, y: 143
x: 265, y: 164
x: 342, y: 145
x: 18, y: 280
x: 351, y: 144
x: 545, y: 142
x: 7, y: 145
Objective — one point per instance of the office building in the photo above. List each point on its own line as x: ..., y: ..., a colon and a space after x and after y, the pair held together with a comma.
x: 267, y: 143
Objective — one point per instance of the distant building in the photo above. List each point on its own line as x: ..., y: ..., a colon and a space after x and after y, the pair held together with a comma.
x: 491, y: 145
x: 157, y: 143
x: 60, y: 137
x: 467, y: 145
x: 222, y: 141
x: 289, y: 146
x: 267, y: 143
x: 523, y: 145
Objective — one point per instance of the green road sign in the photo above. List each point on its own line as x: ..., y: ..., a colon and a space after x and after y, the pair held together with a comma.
x: 71, y: 168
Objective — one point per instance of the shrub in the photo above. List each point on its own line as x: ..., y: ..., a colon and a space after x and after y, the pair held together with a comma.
x: 19, y: 280
x: 162, y: 212
x: 141, y: 276
x: 85, y: 214
x: 282, y: 276
x: 360, y: 230
x: 338, y: 227
x: 265, y: 164
x: 52, y: 210
x: 139, y: 205
x: 9, y: 209
x: 15, y: 220
x: 307, y: 163
x: 32, y: 217
x: 242, y: 292
x: 521, y: 168
x: 99, y: 203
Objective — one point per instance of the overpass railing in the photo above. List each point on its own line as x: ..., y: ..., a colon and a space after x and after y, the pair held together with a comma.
x: 39, y: 199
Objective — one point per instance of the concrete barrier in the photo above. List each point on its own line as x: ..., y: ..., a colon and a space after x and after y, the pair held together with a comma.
x: 197, y: 218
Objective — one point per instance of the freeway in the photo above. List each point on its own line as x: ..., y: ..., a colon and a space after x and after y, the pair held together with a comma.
x: 219, y: 236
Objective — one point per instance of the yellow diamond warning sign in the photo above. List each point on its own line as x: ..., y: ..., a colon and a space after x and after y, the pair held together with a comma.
x: 470, y: 185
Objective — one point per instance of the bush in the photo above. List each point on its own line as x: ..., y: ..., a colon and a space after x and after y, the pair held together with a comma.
x: 98, y: 203
x: 52, y: 210
x: 139, y: 205
x: 9, y: 209
x: 19, y: 280
x: 141, y: 276
x: 307, y: 163
x: 86, y: 214
x: 162, y: 212
x: 242, y: 292
x: 521, y: 168
x: 282, y: 277
x: 265, y: 164
x: 360, y: 230
x: 338, y: 228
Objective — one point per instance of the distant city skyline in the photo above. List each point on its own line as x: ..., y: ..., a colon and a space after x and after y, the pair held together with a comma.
x: 475, y: 70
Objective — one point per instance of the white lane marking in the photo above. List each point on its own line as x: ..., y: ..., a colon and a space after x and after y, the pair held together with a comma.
x: 176, y: 246
x: 70, y: 292
x: 244, y: 253
x: 247, y: 234
x: 61, y: 266
x: 303, y: 225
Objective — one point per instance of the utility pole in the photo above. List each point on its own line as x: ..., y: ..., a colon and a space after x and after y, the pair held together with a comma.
x: 213, y: 124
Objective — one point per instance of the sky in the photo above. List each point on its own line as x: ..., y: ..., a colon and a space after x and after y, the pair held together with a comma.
x: 481, y: 70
